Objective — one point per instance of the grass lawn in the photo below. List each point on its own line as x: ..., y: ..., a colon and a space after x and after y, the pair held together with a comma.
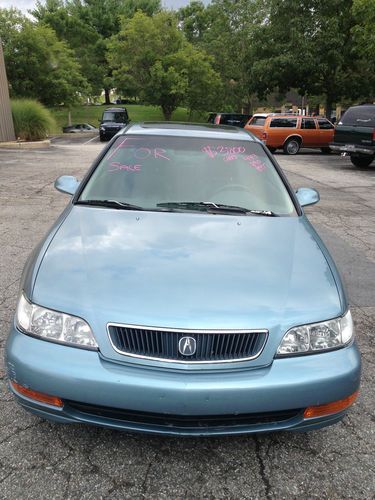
x: 137, y: 113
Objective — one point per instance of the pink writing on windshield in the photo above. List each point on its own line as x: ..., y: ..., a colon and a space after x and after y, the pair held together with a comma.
x: 255, y: 162
x: 228, y: 153
x: 143, y: 153
x: 115, y: 166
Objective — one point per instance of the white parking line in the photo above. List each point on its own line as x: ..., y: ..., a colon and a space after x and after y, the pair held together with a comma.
x: 93, y: 139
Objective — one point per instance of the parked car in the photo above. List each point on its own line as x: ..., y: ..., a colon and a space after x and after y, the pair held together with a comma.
x: 112, y: 121
x: 183, y: 291
x: 234, y: 119
x: 355, y: 135
x: 291, y: 132
x: 78, y: 128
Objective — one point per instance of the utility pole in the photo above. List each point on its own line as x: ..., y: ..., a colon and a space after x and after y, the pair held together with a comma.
x: 6, y: 120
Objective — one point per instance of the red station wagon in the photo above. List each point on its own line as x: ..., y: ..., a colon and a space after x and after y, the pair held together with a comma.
x: 291, y: 132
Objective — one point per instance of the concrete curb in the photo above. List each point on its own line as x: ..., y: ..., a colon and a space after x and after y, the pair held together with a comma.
x: 25, y: 144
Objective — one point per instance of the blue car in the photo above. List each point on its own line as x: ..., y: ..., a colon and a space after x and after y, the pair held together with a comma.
x: 184, y: 292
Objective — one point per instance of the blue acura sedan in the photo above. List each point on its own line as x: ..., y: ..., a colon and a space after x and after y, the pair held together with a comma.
x: 183, y: 291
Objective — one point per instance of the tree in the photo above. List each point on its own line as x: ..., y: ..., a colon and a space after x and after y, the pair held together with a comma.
x: 363, y: 32
x: 194, y: 21
x: 300, y: 44
x: 86, y: 26
x: 223, y: 29
x: 38, y: 64
x: 152, y: 59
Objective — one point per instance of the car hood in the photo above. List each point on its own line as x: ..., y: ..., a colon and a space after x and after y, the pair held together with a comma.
x: 112, y: 124
x: 187, y: 270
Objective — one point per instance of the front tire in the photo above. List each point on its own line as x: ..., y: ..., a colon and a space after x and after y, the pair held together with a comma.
x: 292, y: 146
x: 362, y: 161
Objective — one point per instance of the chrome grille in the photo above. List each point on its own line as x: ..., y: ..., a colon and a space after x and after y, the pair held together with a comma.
x: 212, y: 346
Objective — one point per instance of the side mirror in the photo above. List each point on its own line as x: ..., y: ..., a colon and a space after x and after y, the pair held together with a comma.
x: 67, y: 184
x: 307, y: 196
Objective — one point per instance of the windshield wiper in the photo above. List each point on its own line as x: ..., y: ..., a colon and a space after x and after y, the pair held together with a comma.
x: 110, y: 204
x: 210, y: 206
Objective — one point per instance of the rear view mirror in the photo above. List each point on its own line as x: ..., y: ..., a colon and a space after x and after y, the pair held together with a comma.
x: 307, y: 196
x: 67, y: 184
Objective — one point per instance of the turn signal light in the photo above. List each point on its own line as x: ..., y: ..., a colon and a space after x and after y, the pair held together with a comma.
x: 37, y: 396
x: 330, y: 408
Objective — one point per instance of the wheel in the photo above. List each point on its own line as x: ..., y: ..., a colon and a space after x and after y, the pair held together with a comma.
x: 270, y: 149
x: 292, y: 146
x: 362, y: 161
x: 102, y: 138
x: 326, y: 151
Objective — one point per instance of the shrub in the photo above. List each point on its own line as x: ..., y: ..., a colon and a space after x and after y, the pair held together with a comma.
x: 32, y: 121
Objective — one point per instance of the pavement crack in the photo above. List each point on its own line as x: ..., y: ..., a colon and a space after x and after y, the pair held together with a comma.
x: 144, y: 482
x: 262, y: 467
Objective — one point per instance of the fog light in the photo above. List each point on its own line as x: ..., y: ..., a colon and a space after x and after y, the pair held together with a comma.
x: 330, y: 408
x: 37, y: 396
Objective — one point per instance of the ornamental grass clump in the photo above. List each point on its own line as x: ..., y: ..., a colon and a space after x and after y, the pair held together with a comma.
x: 32, y: 121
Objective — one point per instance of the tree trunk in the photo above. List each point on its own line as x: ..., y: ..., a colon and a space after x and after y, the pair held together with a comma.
x: 69, y: 117
x: 329, y: 102
x: 106, y: 94
x: 167, y: 112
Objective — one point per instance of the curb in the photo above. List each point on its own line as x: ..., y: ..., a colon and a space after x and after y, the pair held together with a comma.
x: 25, y: 145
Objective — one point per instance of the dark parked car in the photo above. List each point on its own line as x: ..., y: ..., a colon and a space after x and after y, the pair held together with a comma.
x: 78, y: 128
x: 234, y: 119
x: 113, y: 120
x: 355, y: 135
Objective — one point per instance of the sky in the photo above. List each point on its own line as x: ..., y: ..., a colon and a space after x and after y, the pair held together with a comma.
x: 24, y: 5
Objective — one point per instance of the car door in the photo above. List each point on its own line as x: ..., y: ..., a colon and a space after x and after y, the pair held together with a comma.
x: 309, y: 132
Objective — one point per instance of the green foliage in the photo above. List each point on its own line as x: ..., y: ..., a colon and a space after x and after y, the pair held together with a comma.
x: 223, y: 29
x: 32, y: 121
x: 301, y: 44
x: 152, y: 60
x: 363, y: 31
x: 86, y: 25
x: 194, y: 19
x: 38, y: 65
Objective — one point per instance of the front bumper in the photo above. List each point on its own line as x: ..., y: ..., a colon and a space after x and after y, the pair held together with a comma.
x: 352, y: 148
x: 171, y: 402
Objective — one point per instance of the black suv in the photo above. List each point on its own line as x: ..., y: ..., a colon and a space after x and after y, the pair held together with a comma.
x: 234, y: 119
x: 113, y: 120
x: 355, y: 135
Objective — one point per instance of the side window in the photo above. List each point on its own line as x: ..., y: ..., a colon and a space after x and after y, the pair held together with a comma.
x: 258, y: 120
x: 284, y: 122
x: 308, y: 123
x: 225, y: 119
x: 325, y: 124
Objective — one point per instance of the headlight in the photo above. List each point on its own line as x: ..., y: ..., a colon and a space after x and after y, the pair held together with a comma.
x: 317, y: 337
x: 53, y: 325
x: 101, y: 128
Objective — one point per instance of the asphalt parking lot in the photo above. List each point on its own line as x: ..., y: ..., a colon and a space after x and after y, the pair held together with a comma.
x: 40, y: 460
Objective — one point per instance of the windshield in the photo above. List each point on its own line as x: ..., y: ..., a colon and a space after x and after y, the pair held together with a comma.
x: 113, y: 116
x: 148, y: 171
x: 361, y: 116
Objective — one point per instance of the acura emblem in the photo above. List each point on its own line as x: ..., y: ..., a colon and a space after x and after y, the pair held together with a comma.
x: 187, y: 346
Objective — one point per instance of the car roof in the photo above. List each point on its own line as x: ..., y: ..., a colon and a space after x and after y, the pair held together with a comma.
x: 181, y: 129
x: 115, y: 109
